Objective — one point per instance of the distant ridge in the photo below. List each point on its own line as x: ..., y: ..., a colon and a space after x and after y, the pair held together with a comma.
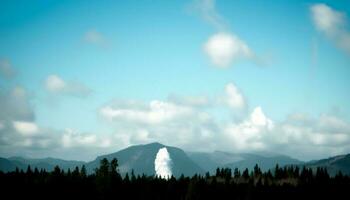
x: 333, y: 164
x: 140, y: 158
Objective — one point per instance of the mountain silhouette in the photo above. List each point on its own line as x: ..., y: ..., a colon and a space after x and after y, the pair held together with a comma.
x: 140, y: 159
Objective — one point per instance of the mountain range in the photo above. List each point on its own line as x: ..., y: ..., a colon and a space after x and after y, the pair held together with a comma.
x: 140, y: 159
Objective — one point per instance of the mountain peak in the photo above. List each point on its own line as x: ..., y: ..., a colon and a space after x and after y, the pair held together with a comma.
x: 155, y: 144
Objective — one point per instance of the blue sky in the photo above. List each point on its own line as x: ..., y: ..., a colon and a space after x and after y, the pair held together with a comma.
x: 105, y: 52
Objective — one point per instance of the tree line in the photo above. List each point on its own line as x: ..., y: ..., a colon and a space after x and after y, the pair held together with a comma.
x: 289, y: 182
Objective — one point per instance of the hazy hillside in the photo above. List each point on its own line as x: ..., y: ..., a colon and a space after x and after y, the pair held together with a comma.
x: 10, y: 164
x: 264, y: 162
x: 210, y: 161
x: 333, y: 164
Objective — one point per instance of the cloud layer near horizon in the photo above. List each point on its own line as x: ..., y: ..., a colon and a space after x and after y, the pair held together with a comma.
x: 185, y: 122
x: 21, y: 135
x: 196, y: 128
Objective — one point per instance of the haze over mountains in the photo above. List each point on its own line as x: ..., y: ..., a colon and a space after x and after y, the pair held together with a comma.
x: 140, y: 159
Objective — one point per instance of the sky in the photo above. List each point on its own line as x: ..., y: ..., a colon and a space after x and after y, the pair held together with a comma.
x: 83, y: 78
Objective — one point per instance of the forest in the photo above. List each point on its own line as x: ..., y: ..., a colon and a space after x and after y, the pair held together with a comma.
x: 289, y: 182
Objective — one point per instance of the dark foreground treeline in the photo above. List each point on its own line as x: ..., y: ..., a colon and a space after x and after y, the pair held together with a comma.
x: 107, y: 183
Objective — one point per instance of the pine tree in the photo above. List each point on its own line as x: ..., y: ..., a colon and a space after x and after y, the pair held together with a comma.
x: 76, y: 172
x: 245, y: 173
x: 104, y: 168
x: 257, y: 171
x: 29, y: 170
x: 114, y: 166
x: 83, y: 171
x: 236, y: 173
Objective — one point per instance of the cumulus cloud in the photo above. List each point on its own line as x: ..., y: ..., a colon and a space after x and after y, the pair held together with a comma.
x: 96, y: 38
x: 233, y: 97
x: 6, y: 69
x: 162, y: 121
x: 196, y: 128
x: 311, y: 137
x: 28, y: 138
x: 332, y: 23
x: 16, y: 117
x: 162, y: 164
x: 183, y: 122
x: 15, y: 104
x: 223, y: 49
x: 299, y: 135
x: 249, y: 134
x: 56, y: 85
x: 25, y: 128
x: 72, y: 138
x: 20, y: 134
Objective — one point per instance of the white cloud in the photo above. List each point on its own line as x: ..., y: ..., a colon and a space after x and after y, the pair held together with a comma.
x: 207, y: 10
x: 234, y: 98
x: 299, y: 136
x: 56, y: 85
x: 195, y: 101
x: 332, y: 23
x: 249, y: 134
x: 6, y: 69
x: 15, y: 105
x: 155, y: 112
x: 96, y: 38
x: 258, y: 118
x: 162, y: 121
x: 73, y: 139
x: 327, y: 19
x: 184, y: 123
x: 26, y: 128
x: 223, y: 49
x: 21, y: 135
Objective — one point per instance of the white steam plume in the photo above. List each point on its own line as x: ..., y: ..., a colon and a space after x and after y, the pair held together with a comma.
x: 162, y: 164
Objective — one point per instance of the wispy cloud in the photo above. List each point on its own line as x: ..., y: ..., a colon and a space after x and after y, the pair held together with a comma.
x: 6, y: 69
x: 206, y: 9
x: 96, y: 38
x: 56, y: 85
x: 333, y: 24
